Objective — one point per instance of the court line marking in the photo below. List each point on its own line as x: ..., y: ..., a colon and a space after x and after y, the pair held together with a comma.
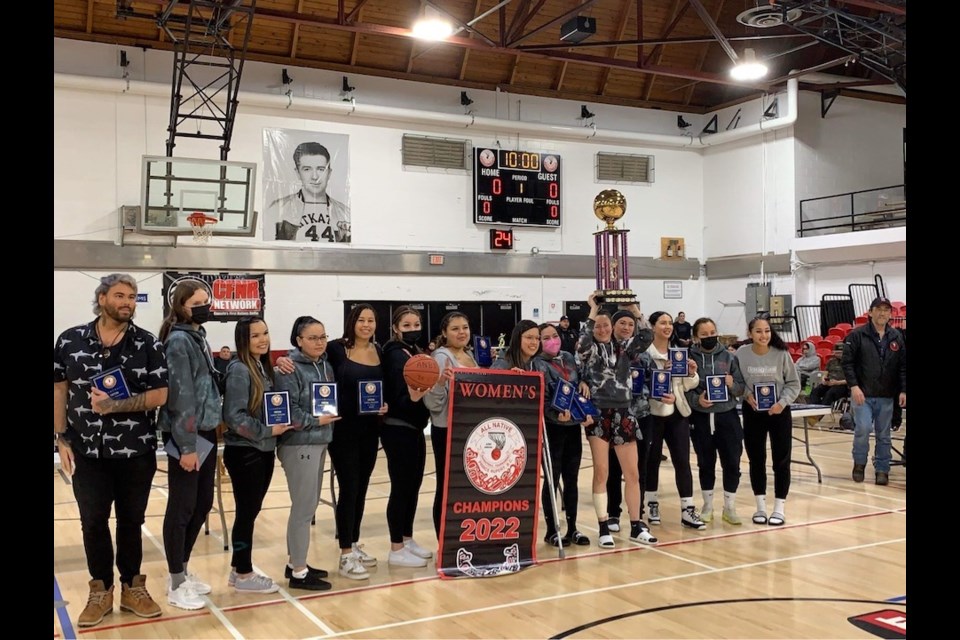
x: 387, y: 585
x: 62, y: 615
x: 653, y: 547
x: 638, y: 583
x: 879, y: 496
x: 850, y: 502
x: 299, y: 607
x: 218, y: 614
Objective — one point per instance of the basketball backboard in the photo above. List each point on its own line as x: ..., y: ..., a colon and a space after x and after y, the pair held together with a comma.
x: 172, y: 189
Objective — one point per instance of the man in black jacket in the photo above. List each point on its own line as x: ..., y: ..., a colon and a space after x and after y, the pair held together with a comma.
x: 568, y: 337
x: 875, y: 366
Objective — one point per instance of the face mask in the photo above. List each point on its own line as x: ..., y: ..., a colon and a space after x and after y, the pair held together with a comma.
x: 710, y: 343
x: 551, y: 346
x: 410, y: 337
x: 201, y: 314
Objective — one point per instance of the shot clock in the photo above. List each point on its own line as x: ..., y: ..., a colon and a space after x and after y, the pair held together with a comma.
x: 516, y: 188
x: 501, y: 239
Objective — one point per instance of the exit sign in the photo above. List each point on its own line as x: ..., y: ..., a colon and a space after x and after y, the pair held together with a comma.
x: 436, y: 259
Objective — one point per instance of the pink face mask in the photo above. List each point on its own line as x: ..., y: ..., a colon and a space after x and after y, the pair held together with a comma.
x: 551, y: 346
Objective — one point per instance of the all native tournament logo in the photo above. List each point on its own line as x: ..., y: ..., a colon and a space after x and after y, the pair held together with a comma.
x: 494, y: 456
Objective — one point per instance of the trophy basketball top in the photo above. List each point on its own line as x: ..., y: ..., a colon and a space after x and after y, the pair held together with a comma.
x: 609, y: 206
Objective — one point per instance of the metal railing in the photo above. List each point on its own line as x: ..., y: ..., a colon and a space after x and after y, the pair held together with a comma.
x: 853, y: 211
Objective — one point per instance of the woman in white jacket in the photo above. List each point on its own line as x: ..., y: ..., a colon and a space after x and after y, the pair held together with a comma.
x: 670, y: 424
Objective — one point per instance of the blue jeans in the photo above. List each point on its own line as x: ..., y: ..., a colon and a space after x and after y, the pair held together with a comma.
x: 873, y: 415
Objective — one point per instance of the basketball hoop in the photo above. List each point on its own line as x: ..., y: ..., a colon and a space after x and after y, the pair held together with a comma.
x: 202, y: 226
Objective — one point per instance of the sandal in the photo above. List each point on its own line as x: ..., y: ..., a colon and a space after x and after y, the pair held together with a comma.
x: 760, y: 517
x: 554, y: 539
x: 576, y: 538
x: 607, y: 541
x: 776, y: 519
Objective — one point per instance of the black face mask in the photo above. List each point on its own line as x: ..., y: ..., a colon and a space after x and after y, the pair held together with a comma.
x: 710, y: 343
x: 410, y: 337
x: 199, y: 315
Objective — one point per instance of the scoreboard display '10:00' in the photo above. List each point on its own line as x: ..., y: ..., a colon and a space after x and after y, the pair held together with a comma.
x: 516, y: 188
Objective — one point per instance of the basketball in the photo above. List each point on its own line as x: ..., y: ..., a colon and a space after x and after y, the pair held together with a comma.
x: 421, y: 372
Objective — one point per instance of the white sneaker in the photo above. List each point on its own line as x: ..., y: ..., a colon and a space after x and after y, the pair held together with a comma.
x: 199, y: 587
x: 184, y: 597
x: 232, y: 578
x: 351, y: 567
x: 367, y: 559
x: 405, y: 558
x: 412, y: 546
x: 706, y: 514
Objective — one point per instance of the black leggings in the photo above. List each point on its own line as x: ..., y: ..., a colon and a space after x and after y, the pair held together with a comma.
x: 406, y: 451
x: 756, y: 426
x: 353, y: 452
x: 188, y: 503
x: 726, y: 440
x: 615, y: 475
x: 251, y: 471
x: 566, y: 451
x: 438, y: 438
x: 675, y: 430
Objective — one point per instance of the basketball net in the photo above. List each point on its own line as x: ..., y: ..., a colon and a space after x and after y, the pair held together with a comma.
x: 202, y: 226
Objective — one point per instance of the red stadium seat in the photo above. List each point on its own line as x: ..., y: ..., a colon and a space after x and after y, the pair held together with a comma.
x: 824, y: 344
x: 835, y: 332
x: 833, y: 338
x: 862, y: 321
x: 795, y: 356
x: 843, y: 325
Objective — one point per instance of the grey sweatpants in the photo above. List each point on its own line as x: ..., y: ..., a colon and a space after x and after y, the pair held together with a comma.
x: 303, y: 466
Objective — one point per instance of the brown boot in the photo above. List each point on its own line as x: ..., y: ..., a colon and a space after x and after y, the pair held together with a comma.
x: 99, y: 604
x: 136, y: 600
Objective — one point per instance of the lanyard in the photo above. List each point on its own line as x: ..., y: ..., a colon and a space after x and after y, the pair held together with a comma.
x: 561, y: 370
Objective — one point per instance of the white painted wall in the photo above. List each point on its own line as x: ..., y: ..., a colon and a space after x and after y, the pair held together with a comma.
x: 857, y: 146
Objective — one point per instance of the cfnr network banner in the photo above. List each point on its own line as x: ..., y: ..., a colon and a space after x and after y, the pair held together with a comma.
x: 232, y: 296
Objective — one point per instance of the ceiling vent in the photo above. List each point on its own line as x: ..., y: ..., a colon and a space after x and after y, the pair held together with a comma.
x: 766, y: 16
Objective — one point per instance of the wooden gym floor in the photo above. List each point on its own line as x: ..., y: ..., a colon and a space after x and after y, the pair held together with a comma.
x: 841, y: 554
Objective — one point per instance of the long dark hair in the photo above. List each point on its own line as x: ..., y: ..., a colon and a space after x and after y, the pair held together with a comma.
x: 242, y: 337
x: 775, y: 340
x: 514, y: 355
x: 349, y: 338
x: 177, y: 314
x: 445, y: 322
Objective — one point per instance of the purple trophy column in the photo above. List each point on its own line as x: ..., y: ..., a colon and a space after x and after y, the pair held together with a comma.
x: 625, y: 270
x: 599, y: 261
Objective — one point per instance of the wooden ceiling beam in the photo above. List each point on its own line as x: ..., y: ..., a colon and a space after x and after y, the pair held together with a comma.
x: 677, y: 12
x: 522, y: 24
x: 387, y: 73
x: 466, y: 52
x: 89, y: 16
x: 463, y: 25
x: 702, y: 56
x: 354, y: 14
x: 621, y: 29
x: 296, y: 32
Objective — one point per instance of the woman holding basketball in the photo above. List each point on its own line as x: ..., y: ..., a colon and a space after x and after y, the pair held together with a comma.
x: 451, y: 354
x: 402, y: 437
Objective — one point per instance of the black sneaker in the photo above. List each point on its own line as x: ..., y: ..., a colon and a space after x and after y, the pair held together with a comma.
x: 883, y: 477
x: 319, y: 573
x: 312, y: 582
x: 858, y: 470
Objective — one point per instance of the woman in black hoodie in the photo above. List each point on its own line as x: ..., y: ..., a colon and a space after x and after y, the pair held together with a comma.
x: 403, y: 440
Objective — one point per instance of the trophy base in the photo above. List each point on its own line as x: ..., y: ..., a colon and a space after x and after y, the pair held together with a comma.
x: 617, y: 296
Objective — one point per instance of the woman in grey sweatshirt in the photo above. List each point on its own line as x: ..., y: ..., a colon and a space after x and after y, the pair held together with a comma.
x: 303, y: 449
x: 767, y: 362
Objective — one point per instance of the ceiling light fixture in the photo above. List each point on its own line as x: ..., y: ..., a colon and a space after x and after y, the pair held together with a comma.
x: 748, y: 67
x: 432, y: 25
